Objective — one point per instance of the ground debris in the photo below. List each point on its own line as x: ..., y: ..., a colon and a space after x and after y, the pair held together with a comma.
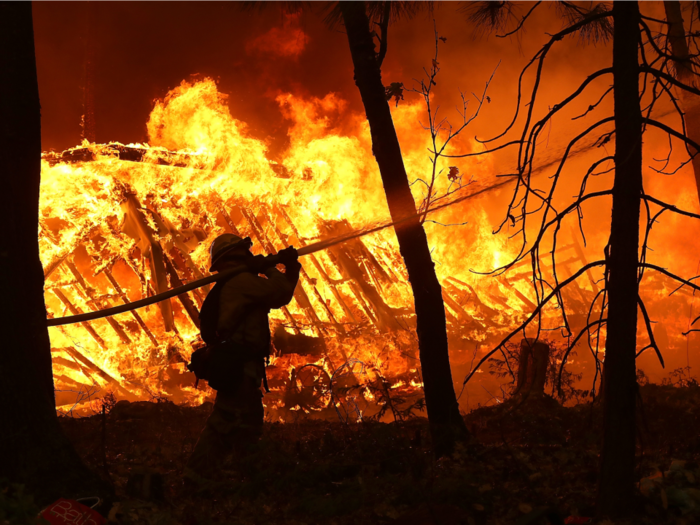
x: 537, y: 460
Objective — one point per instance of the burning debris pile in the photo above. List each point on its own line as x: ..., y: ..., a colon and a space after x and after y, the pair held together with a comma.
x: 136, y: 250
x: 122, y: 222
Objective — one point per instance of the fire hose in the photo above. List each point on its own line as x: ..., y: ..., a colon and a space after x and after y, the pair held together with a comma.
x: 260, y: 264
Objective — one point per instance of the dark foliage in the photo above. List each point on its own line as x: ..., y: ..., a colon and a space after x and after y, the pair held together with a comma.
x: 540, y: 457
x: 562, y: 389
x: 490, y: 16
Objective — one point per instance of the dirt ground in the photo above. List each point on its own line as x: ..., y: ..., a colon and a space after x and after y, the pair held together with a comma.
x: 537, y: 464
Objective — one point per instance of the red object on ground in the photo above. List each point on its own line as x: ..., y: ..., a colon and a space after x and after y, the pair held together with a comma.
x: 67, y: 511
x: 577, y: 520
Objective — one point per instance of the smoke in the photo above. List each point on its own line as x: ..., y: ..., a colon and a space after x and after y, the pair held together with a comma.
x: 144, y: 50
x: 287, y: 40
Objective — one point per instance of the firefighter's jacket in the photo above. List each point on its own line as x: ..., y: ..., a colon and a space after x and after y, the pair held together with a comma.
x: 245, y: 302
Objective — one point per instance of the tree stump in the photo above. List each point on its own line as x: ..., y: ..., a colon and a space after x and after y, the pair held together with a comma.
x: 532, y: 370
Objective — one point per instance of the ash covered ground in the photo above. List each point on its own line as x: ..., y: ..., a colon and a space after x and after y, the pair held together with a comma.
x: 538, y: 459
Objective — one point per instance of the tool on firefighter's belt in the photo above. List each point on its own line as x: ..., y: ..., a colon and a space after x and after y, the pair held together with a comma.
x: 221, y: 365
x: 259, y: 262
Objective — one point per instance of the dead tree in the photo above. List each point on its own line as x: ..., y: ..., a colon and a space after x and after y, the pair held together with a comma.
x: 616, y: 485
x: 532, y: 369
x: 446, y: 423
x: 683, y: 70
x: 613, y: 311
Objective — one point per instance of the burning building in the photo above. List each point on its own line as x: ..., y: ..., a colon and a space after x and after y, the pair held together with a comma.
x: 122, y: 222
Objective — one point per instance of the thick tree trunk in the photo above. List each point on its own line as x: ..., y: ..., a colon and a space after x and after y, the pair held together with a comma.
x: 446, y: 423
x: 33, y: 449
x: 616, y: 479
x: 689, y: 102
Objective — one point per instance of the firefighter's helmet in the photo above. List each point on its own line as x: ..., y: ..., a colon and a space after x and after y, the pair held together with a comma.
x: 225, y: 244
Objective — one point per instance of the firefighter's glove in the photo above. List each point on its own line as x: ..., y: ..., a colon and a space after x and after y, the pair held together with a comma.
x: 288, y: 256
x: 292, y: 268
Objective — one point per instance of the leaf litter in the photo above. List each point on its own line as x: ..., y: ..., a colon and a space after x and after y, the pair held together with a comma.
x: 536, y: 463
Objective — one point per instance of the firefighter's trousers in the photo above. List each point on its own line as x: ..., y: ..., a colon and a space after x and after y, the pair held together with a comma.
x: 235, y: 423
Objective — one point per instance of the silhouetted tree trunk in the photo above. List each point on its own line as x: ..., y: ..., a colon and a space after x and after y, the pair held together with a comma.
x: 689, y: 102
x: 532, y: 369
x: 33, y: 448
x: 616, y: 479
x: 446, y: 423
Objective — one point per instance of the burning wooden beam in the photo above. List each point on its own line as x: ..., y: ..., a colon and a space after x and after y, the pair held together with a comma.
x: 136, y: 227
x: 344, y: 255
x: 58, y: 360
x: 523, y: 298
x: 566, y: 273
x: 184, y: 299
x: 487, y: 312
x: 304, y: 274
x: 177, y: 246
x: 583, y: 260
x: 125, y: 300
x: 70, y: 382
x: 76, y: 311
x: 66, y: 252
x: 90, y: 293
x: 115, y: 150
x: 456, y: 307
x: 361, y: 300
x: 319, y: 267
x: 451, y: 317
x: 543, y: 266
x: 75, y: 354
x: 299, y: 294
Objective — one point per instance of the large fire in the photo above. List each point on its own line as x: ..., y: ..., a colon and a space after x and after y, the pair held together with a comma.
x: 121, y: 222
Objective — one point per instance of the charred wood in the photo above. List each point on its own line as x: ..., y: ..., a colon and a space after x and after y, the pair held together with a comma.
x: 299, y: 344
x: 346, y: 256
x: 76, y: 311
x: 321, y: 270
x: 305, y: 276
x: 185, y: 300
x: 99, y: 304
x: 136, y: 227
x: 532, y: 369
x: 125, y: 300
